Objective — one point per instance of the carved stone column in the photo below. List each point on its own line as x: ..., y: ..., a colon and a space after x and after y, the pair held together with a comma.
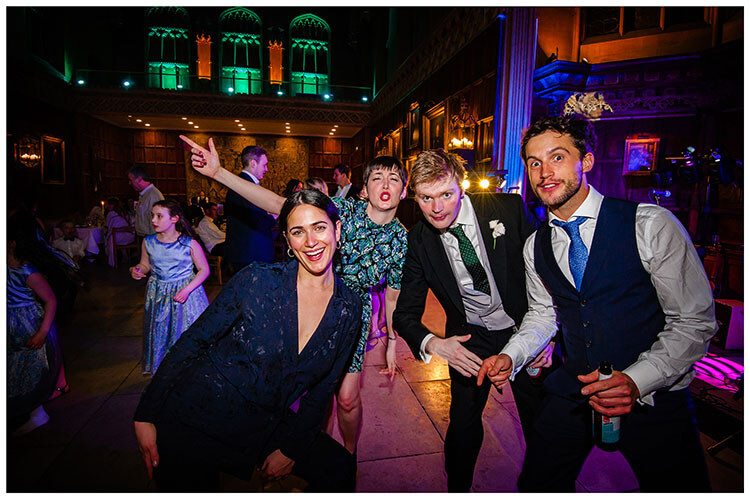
x: 514, y: 93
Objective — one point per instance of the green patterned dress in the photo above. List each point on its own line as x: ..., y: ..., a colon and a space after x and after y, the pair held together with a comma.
x: 370, y: 254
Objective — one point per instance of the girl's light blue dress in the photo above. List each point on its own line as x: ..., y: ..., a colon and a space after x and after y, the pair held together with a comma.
x: 165, y: 319
x: 31, y: 373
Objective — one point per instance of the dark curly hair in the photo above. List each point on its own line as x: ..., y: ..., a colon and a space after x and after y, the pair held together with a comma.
x: 580, y: 130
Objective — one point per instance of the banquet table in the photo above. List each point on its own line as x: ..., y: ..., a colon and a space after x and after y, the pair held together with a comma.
x: 91, y: 236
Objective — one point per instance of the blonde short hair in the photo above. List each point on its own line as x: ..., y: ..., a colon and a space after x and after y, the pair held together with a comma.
x: 435, y: 164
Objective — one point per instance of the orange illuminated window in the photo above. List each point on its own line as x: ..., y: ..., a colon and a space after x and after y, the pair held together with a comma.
x: 204, y: 57
x: 276, y: 70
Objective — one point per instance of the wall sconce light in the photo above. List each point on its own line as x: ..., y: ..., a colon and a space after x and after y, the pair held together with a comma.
x: 463, y: 125
x: 28, y: 152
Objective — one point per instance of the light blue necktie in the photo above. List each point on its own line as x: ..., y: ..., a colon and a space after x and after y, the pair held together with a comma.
x: 578, y: 255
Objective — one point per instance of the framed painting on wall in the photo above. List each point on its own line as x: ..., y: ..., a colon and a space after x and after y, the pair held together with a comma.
x: 641, y: 155
x: 396, y: 149
x: 53, y: 160
x: 434, y: 127
x: 414, y: 126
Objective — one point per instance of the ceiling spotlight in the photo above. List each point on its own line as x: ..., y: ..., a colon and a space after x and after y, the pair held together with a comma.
x: 333, y: 129
x: 147, y: 124
x: 242, y: 129
x: 236, y: 121
x: 287, y: 123
x: 130, y: 116
x: 335, y: 126
x: 288, y: 131
x: 330, y: 133
x: 465, y: 184
x: 484, y: 183
x: 195, y: 126
x: 184, y: 118
x: 138, y: 120
x: 190, y: 122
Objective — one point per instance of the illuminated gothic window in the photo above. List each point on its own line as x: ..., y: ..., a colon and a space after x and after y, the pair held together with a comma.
x: 241, y: 51
x: 168, y: 48
x: 309, y: 54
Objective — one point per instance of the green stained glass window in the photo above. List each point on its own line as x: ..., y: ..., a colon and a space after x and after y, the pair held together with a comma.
x: 310, y: 56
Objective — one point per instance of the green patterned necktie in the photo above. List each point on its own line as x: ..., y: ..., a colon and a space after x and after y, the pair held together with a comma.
x: 472, y: 263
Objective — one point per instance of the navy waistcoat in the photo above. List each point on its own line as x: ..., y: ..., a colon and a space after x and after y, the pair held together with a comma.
x: 616, y: 315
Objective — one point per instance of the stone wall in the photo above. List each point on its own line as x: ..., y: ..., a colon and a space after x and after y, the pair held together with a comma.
x: 288, y: 157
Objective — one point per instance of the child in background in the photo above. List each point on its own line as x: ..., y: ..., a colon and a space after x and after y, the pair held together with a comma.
x: 174, y: 297
x: 33, y: 356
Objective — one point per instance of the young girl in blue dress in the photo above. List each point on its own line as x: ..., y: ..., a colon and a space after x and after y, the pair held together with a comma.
x: 33, y: 355
x: 174, y: 296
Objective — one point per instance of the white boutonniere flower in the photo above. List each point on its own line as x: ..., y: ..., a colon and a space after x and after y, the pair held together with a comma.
x: 498, y: 229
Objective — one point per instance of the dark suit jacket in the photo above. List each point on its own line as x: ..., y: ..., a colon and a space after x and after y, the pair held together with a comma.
x: 248, y: 230
x: 234, y: 373
x: 427, y: 266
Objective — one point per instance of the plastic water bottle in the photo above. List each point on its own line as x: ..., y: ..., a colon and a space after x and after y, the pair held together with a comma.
x: 606, y: 429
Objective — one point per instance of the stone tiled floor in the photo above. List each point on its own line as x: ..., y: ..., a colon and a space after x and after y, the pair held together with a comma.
x: 89, y: 445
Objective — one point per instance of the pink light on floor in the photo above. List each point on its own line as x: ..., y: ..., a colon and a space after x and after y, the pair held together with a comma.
x: 719, y: 371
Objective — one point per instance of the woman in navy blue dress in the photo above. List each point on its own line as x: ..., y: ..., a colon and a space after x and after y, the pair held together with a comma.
x: 276, y: 333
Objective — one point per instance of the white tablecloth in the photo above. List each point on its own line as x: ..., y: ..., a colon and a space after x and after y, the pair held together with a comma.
x: 92, y: 237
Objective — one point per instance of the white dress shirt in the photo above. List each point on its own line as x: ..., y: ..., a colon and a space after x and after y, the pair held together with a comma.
x: 253, y: 177
x: 210, y: 234
x: 342, y: 191
x: 71, y: 248
x: 677, y: 274
x: 481, y: 310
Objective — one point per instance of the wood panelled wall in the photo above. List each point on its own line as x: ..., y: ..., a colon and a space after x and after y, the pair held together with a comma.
x: 106, y: 152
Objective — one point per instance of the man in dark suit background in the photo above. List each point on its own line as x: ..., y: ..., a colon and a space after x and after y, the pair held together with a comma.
x: 342, y: 177
x: 248, y: 227
x: 468, y: 250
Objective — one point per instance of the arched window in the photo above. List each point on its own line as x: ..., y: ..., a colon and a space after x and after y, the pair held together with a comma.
x: 309, y: 54
x: 168, y: 48
x: 241, y: 51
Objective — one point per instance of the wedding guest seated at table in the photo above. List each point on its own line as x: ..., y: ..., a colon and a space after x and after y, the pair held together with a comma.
x: 70, y: 243
x: 276, y: 333
x: 115, y: 220
x: 212, y: 236
x: 128, y: 210
x: 318, y: 184
x: 96, y: 215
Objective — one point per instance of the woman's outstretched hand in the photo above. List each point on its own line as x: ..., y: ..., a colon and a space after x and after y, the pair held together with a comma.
x: 205, y: 161
x: 145, y: 433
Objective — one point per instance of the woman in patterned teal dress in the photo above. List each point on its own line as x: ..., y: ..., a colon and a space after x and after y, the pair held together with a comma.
x: 373, y: 247
x: 174, y: 296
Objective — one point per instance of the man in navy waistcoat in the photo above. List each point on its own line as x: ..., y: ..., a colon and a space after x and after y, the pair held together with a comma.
x: 626, y: 286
